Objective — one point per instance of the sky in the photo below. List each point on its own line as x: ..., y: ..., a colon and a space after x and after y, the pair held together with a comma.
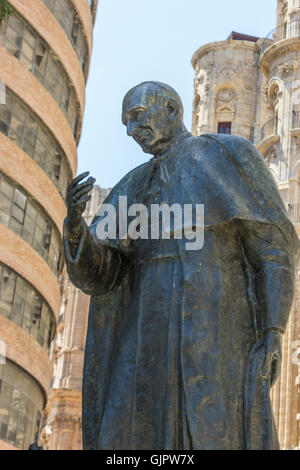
x: 141, y: 40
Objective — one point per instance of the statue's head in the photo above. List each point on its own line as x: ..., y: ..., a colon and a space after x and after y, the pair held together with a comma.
x: 153, y: 113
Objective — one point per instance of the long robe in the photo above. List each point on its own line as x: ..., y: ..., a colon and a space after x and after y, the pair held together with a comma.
x: 174, y: 342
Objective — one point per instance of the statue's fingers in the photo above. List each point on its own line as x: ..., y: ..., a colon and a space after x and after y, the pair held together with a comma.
x: 78, y: 178
x: 78, y: 187
x: 82, y: 201
x: 82, y: 192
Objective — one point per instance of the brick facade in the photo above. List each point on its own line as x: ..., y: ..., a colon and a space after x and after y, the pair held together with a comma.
x: 25, y: 174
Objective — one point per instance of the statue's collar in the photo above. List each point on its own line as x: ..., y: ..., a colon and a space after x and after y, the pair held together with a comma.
x: 173, y: 144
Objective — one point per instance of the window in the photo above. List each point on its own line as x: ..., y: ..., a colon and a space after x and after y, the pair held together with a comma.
x: 23, y: 305
x: 27, y: 46
x: 66, y: 15
x: 21, y: 405
x: 27, y: 219
x: 224, y: 128
x: 27, y: 131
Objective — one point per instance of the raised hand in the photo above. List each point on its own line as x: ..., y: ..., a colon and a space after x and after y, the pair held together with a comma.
x: 77, y: 197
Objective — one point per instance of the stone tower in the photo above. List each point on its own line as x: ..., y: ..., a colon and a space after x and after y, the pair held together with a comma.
x: 251, y: 87
x: 226, y: 86
x: 45, y: 50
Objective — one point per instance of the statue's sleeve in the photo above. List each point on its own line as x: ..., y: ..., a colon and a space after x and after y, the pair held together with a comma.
x: 93, y: 267
x: 273, y: 266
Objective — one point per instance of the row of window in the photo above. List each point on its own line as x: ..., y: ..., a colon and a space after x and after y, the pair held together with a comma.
x: 23, y: 305
x: 21, y: 405
x: 27, y: 46
x: 27, y: 219
x: 26, y: 130
x: 68, y: 18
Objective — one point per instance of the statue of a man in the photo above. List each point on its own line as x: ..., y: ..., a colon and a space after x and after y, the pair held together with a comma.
x: 184, y: 345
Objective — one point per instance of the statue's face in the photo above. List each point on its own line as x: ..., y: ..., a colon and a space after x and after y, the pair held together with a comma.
x: 148, y: 119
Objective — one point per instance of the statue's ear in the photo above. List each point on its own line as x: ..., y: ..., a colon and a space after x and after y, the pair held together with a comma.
x: 173, y: 109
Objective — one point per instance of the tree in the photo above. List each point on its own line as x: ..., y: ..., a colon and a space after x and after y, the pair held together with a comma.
x: 6, y: 9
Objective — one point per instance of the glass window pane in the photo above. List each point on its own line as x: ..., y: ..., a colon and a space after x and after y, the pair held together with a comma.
x: 12, y: 43
x: 21, y: 288
x: 42, y: 136
x: 3, y: 127
x: 16, y: 398
x: 2, y: 28
x: 29, y: 37
x: 5, y: 114
x: 5, y: 208
x: 4, y: 218
x: 4, y: 410
x: 7, y: 288
x: 6, y: 189
x: 3, y: 428
x: 12, y: 425
x: 20, y: 199
x: 8, y: 373
x: 16, y: 130
x: 20, y: 438
x: 41, y: 57
x: 15, y: 225
x: 31, y: 210
x: 18, y: 213
x: 26, y: 62
x: 30, y: 129
x: 28, y: 148
x: 19, y: 112
x: 24, y: 218
x: 16, y: 24
x: 6, y: 392
x: 28, y: 229
x: 20, y: 406
x: 50, y: 4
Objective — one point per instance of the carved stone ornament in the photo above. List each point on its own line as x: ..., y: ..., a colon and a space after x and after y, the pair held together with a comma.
x: 226, y: 95
x: 288, y: 67
x: 271, y: 155
x: 227, y: 72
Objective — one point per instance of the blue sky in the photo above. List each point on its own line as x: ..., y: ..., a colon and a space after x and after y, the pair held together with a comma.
x: 139, y: 40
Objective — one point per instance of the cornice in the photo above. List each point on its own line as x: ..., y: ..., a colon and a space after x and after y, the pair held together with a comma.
x: 212, y: 46
x: 276, y: 50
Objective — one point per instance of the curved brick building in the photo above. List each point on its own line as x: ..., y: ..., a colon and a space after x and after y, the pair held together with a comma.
x: 45, y: 49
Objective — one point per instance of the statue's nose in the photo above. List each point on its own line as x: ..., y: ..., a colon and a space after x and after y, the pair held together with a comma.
x: 131, y: 128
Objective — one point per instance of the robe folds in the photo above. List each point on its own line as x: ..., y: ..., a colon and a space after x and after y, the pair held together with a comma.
x: 175, y: 337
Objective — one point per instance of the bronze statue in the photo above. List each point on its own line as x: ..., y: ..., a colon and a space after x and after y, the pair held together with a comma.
x: 184, y: 345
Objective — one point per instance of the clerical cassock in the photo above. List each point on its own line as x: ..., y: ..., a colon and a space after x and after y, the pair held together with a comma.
x: 174, y: 341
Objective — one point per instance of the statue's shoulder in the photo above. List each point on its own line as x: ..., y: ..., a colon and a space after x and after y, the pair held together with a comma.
x: 132, y: 175
x: 129, y: 181
x: 231, y: 155
x: 229, y: 149
x: 237, y: 146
